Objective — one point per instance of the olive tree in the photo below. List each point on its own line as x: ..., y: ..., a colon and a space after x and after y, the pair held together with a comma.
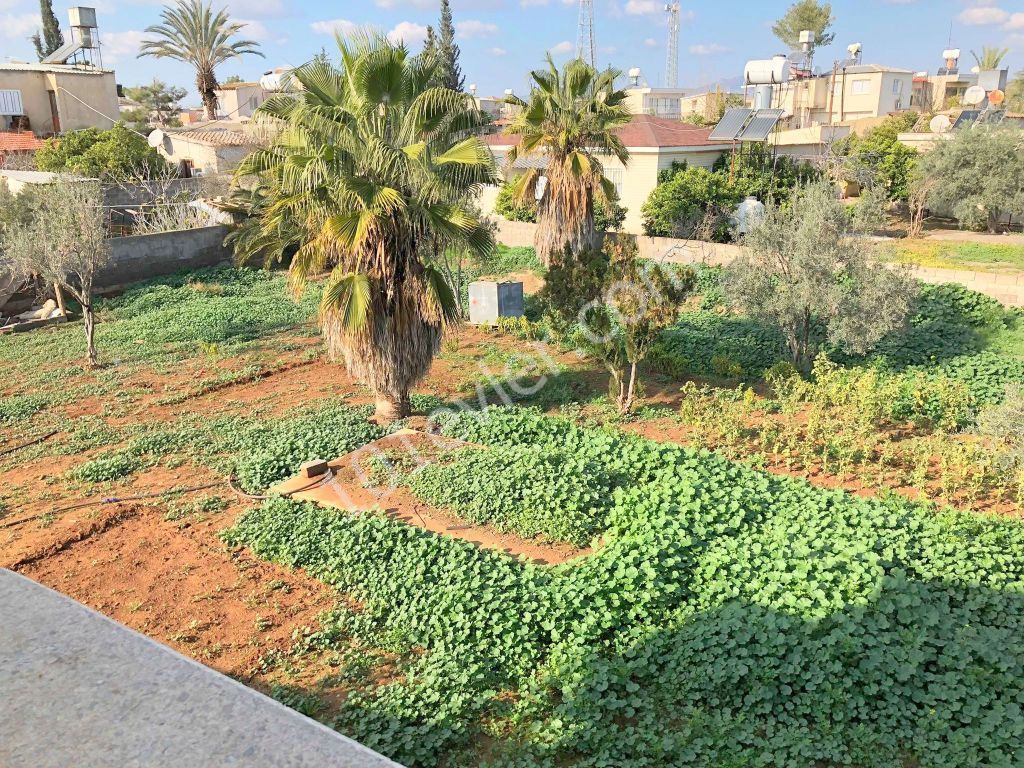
x: 64, y: 241
x: 810, y: 271
x: 976, y: 174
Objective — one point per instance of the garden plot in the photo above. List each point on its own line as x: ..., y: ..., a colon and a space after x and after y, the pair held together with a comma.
x: 391, y: 476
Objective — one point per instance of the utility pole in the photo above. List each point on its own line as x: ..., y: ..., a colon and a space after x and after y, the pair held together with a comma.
x: 672, y: 57
x: 585, y: 46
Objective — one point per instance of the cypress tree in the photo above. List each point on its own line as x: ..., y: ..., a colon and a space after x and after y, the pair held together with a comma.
x: 448, y: 51
x: 430, y: 44
x: 50, y: 38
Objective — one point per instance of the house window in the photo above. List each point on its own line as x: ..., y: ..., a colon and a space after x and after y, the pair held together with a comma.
x: 861, y: 87
x: 614, y: 175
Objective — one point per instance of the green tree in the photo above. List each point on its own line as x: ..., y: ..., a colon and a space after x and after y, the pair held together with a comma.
x: 371, y: 177
x: 690, y: 201
x: 448, y: 51
x: 810, y: 272
x: 429, y: 43
x: 158, y: 99
x: 608, y: 214
x: 191, y: 32
x: 621, y: 305
x: 65, y: 242
x: 50, y: 38
x: 990, y: 57
x: 570, y: 119
x: 1015, y: 93
x: 805, y: 14
x: 976, y: 174
x: 880, y: 159
x: 118, y: 153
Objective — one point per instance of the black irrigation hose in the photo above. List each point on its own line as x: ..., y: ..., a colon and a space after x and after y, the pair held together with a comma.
x: 8, y: 451
x: 170, y: 492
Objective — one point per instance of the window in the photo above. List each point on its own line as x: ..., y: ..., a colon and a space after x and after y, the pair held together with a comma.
x: 897, y: 87
x: 615, y: 177
x: 861, y: 87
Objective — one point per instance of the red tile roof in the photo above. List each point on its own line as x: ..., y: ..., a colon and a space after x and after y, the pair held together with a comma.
x: 18, y: 141
x: 641, y: 131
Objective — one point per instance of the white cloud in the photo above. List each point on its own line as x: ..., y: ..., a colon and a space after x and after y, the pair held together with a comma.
x: 497, y: 51
x: 256, y: 7
x: 644, y: 7
x: 708, y: 49
x: 530, y: 3
x: 408, y: 32
x: 983, y: 16
x: 474, y: 28
x: 121, y: 46
x: 389, y: 4
x: 253, y: 29
x: 563, y: 47
x: 19, y: 25
x: 650, y: 42
x: 334, y: 26
x: 1016, y: 21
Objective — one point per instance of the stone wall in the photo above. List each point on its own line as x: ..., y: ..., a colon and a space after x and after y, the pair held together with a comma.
x: 140, y: 257
x: 1007, y: 288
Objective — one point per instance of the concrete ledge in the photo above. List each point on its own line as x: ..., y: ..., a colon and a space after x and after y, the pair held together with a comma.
x: 78, y: 689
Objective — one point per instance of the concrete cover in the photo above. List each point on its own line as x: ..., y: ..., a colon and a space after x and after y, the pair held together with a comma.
x: 78, y: 689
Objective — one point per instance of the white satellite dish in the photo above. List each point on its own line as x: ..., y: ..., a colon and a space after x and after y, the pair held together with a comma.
x: 156, y: 139
x: 940, y: 124
x: 974, y: 95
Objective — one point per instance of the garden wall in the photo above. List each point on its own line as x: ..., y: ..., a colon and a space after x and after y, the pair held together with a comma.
x: 140, y: 257
x: 1006, y: 288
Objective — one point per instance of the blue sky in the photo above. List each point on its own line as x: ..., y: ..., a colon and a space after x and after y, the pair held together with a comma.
x: 502, y: 39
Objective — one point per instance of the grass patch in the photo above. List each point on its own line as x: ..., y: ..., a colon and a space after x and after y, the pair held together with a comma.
x: 938, y: 254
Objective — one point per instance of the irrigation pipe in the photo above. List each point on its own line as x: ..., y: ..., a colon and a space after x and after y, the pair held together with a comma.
x: 169, y: 492
x: 47, y: 436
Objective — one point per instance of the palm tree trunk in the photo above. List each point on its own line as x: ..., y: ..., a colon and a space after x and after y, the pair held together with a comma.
x: 562, y: 226
x: 389, y: 407
x: 206, y: 84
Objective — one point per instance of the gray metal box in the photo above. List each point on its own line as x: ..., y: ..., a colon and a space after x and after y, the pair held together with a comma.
x: 489, y: 300
x: 81, y: 16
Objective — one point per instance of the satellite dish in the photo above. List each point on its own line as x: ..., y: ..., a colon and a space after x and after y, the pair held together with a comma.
x: 996, y: 98
x: 156, y: 139
x: 940, y: 124
x: 974, y: 95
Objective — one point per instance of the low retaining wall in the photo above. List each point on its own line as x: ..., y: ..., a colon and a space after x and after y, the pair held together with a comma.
x: 141, y: 257
x: 1006, y: 288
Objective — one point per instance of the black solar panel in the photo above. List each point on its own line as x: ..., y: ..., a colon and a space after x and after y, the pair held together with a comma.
x: 731, y: 124
x: 967, y: 117
x: 763, y: 123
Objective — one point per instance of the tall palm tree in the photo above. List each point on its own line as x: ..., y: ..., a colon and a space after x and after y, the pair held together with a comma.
x: 990, y: 57
x: 371, y: 171
x: 193, y: 33
x: 570, y: 119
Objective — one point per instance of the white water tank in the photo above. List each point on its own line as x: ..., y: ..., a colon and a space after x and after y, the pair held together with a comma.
x: 767, y: 71
x: 748, y: 215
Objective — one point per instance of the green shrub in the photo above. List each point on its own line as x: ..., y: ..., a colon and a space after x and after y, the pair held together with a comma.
x: 91, y: 152
x: 680, y: 206
x: 21, y: 407
x: 520, y: 490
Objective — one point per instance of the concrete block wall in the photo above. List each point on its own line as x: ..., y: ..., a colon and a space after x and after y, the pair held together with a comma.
x: 141, y: 257
x: 1006, y: 288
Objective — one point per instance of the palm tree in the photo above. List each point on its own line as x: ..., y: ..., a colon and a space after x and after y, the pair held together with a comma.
x: 990, y: 57
x: 193, y: 33
x: 570, y: 118
x: 371, y: 172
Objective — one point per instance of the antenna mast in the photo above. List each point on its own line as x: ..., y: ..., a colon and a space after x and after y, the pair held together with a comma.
x: 585, y: 47
x: 672, y: 58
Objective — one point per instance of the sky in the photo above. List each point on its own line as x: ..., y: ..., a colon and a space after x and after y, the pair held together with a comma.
x: 502, y: 40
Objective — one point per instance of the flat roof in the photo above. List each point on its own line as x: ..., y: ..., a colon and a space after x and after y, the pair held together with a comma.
x: 59, y: 69
x: 643, y: 131
x: 80, y: 689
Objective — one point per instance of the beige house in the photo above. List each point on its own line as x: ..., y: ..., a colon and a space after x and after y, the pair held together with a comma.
x: 936, y: 93
x: 239, y: 101
x: 654, y: 144
x: 210, y: 150
x: 709, y: 106
x: 850, y: 93
x: 659, y: 102
x: 50, y: 99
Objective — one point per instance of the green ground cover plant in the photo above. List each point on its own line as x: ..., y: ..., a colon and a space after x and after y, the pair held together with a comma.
x: 520, y: 490
x: 953, y: 255
x: 729, y: 618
